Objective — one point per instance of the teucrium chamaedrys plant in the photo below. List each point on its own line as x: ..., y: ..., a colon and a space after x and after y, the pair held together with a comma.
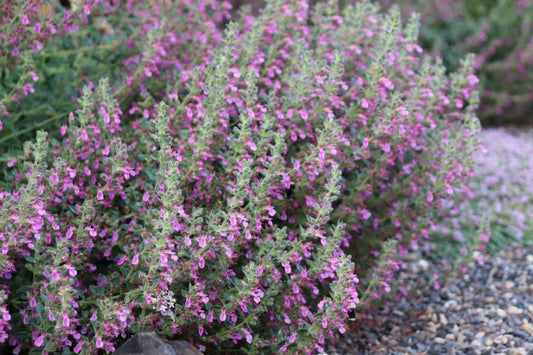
x: 215, y: 207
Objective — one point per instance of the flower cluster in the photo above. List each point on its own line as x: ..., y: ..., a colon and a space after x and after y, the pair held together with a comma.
x: 218, y: 188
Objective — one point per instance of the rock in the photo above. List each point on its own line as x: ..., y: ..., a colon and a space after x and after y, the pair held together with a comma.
x: 501, y: 313
x: 502, y: 339
x: 509, y: 285
x: 149, y: 343
x: 439, y: 340
x: 450, y: 303
x: 475, y: 344
x: 514, y: 310
x: 479, y: 335
x: 423, y: 264
x: 183, y: 348
x: 527, y: 327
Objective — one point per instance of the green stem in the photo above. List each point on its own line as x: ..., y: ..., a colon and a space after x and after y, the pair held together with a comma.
x: 67, y: 52
x: 29, y: 129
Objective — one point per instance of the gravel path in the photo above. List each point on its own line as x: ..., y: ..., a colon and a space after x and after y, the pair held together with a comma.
x: 488, y: 309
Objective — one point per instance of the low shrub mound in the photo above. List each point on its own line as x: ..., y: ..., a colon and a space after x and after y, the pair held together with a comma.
x: 241, y: 188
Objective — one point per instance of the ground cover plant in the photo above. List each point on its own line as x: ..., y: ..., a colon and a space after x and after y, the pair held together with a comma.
x: 242, y: 185
x: 500, y: 32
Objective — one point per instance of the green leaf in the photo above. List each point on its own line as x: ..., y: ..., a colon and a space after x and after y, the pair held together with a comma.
x: 96, y: 290
x: 302, y: 332
x: 36, y: 351
x: 39, y: 308
x: 140, y: 298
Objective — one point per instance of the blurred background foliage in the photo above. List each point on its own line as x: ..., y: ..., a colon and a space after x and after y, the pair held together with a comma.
x: 500, y: 33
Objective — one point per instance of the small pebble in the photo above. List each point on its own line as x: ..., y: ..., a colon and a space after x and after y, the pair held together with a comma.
x: 475, y: 343
x: 484, y: 309
x: 509, y: 285
x: 439, y: 341
x: 514, y: 310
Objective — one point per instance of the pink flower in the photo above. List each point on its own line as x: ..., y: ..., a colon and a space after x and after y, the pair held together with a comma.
x: 365, y: 214
x: 287, y: 267
x: 146, y: 197
x: 386, y: 287
x: 292, y: 338
x: 39, y: 341
x: 54, y: 178
x: 55, y: 275
x: 11, y: 163
x: 222, y: 315
x: 271, y: 210
x: 249, y: 337
x: 78, y: 346
x: 99, y: 343
x: 203, y: 241
x: 34, y: 76
x: 66, y: 320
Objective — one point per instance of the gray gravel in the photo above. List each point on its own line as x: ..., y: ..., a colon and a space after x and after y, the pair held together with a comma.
x: 486, y: 309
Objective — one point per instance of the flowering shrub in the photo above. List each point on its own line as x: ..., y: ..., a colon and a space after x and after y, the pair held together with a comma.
x: 209, y: 194
x: 500, y: 33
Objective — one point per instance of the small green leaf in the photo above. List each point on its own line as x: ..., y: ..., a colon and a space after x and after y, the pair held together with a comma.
x: 96, y: 290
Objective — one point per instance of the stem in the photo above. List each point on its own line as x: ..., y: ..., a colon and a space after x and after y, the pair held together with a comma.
x: 29, y: 129
x: 66, y: 52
